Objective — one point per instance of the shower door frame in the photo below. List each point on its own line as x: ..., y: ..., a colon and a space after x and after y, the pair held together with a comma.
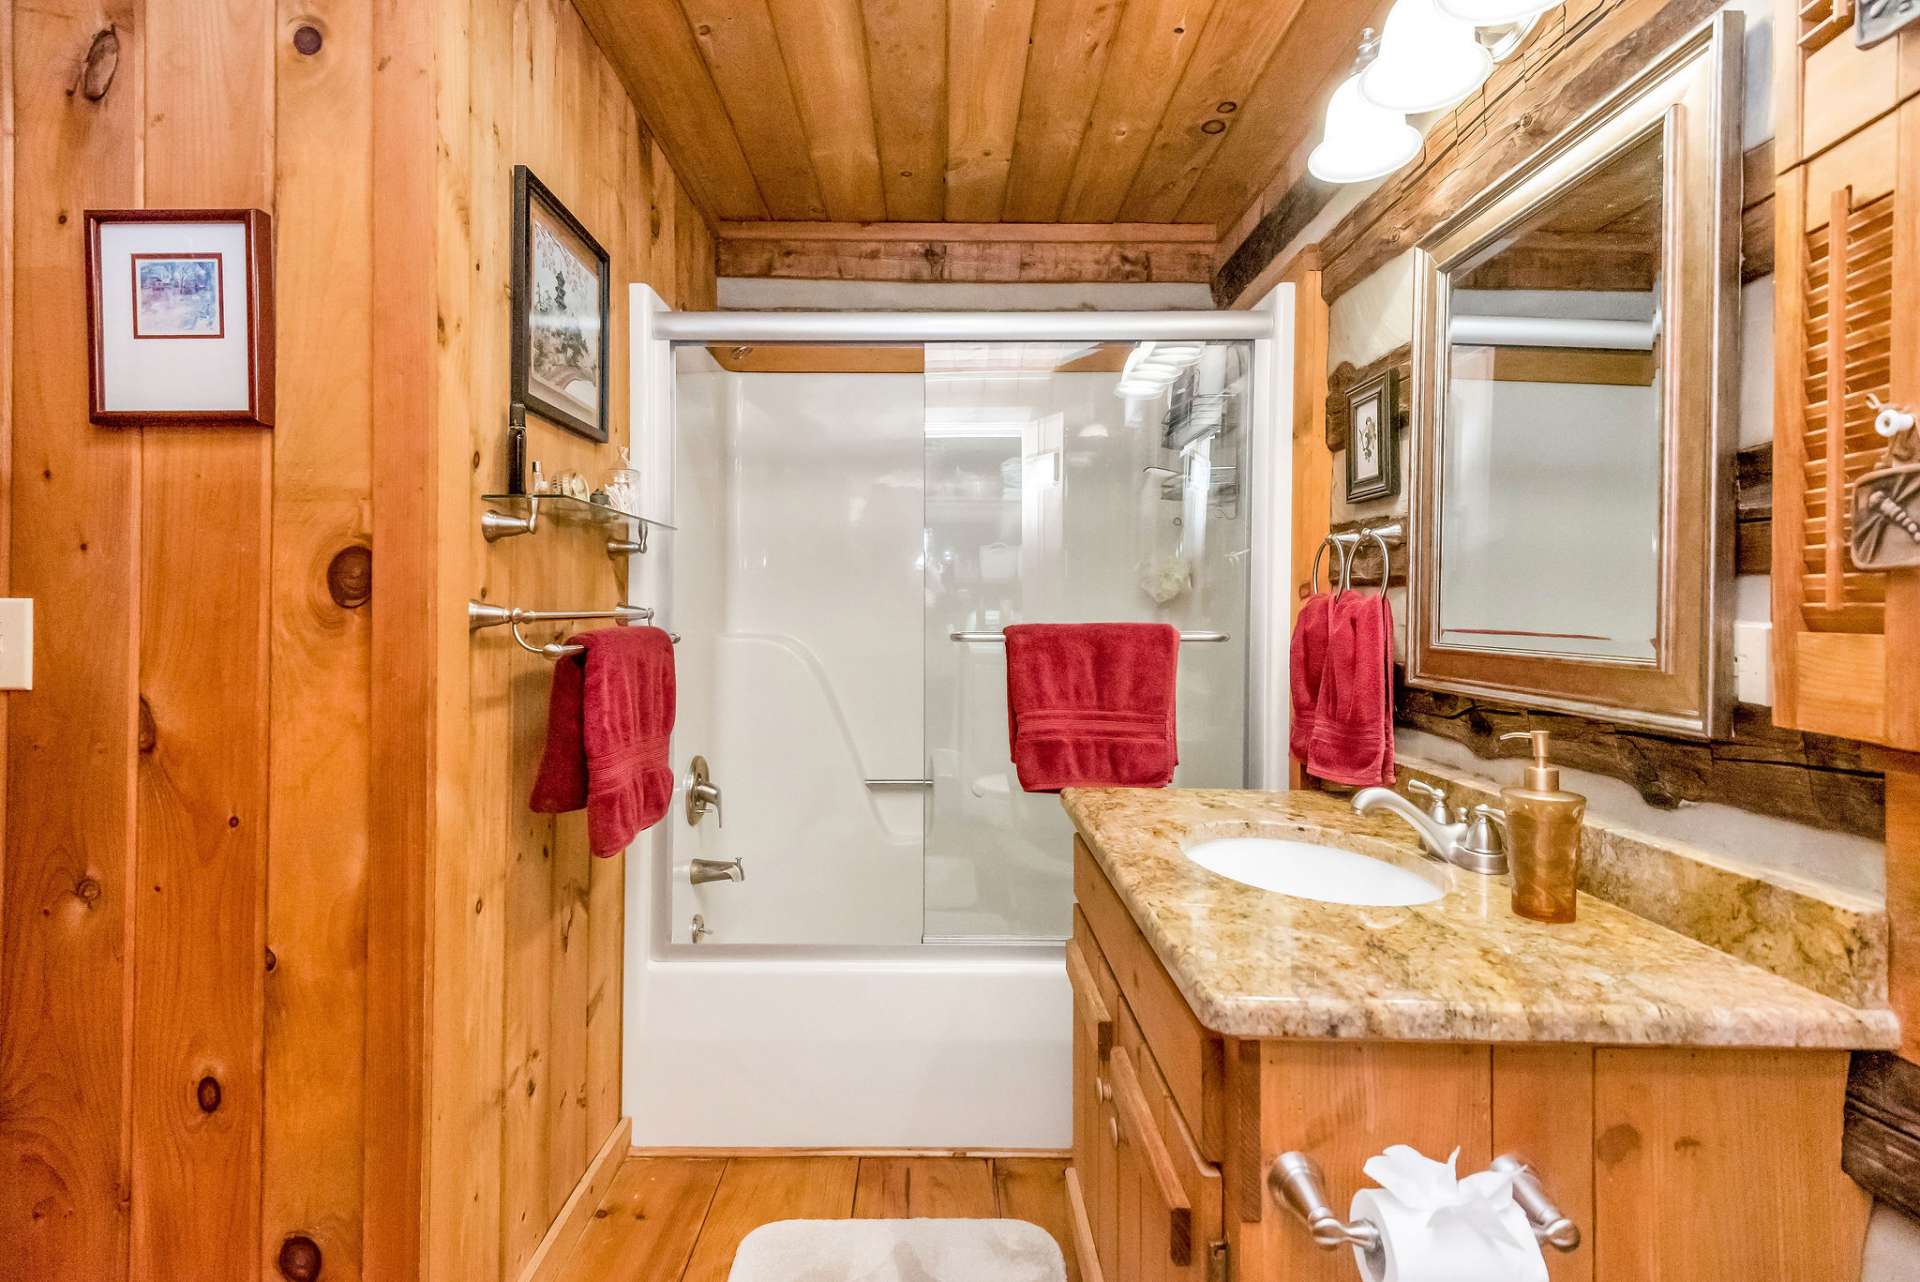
x: 971, y: 1028
x: 657, y: 329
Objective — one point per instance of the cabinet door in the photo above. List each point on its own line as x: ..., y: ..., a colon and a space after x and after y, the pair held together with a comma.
x: 1092, y: 1141
x: 1156, y: 1215
x: 1845, y: 250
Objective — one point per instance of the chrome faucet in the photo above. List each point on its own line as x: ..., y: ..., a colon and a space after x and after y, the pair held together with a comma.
x: 702, y: 871
x: 1465, y: 842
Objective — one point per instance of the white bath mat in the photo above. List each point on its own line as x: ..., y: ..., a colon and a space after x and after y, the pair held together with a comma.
x: 898, y: 1251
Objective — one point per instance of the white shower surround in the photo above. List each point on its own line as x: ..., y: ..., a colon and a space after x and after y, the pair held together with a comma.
x: 928, y: 1046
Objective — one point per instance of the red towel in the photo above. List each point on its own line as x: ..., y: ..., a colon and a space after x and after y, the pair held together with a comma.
x: 609, y: 718
x: 1352, y: 739
x: 1090, y: 705
x: 1307, y: 664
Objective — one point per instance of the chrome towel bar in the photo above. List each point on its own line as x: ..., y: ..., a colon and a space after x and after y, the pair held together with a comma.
x: 480, y: 614
x: 999, y: 638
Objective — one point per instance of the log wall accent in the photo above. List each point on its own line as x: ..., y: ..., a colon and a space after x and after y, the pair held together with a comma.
x: 1787, y: 774
x: 1882, y: 1146
x: 265, y: 784
x: 975, y: 253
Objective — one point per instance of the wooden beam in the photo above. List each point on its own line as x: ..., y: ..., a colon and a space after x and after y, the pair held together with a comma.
x: 1881, y: 1149
x: 1245, y: 272
x: 994, y: 233
x: 972, y: 252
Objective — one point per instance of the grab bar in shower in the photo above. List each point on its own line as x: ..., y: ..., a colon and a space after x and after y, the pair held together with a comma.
x: 481, y: 614
x: 999, y: 638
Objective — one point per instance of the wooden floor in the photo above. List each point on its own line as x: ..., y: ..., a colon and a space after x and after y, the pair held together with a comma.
x: 679, y: 1219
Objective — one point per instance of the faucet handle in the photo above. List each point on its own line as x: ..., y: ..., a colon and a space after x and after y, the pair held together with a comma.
x: 1436, y: 800
x: 1483, y: 849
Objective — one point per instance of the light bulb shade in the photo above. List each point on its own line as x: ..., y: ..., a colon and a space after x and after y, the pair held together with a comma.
x: 1495, y: 13
x: 1427, y: 60
x: 1362, y: 141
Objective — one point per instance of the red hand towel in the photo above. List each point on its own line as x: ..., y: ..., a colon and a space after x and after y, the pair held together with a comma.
x: 1307, y: 665
x: 1090, y: 705
x: 1353, y: 723
x: 609, y: 718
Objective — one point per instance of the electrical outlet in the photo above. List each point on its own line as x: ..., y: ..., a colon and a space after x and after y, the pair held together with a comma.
x: 16, y: 643
x: 1753, y: 663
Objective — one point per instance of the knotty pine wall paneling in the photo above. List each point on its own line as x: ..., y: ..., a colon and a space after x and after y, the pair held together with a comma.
x: 290, y: 974
x: 73, y: 506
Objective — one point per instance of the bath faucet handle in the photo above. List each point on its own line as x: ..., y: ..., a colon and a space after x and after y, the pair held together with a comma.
x: 1485, y: 844
x: 703, y: 794
x: 1436, y: 801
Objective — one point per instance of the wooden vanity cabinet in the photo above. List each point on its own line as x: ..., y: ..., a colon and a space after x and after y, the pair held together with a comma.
x: 1678, y: 1164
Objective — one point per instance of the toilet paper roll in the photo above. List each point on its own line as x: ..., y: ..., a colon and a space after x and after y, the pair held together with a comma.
x: 1414, y: 1250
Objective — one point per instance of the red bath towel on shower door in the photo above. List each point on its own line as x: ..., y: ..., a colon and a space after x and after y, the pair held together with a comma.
x: 609, y: 719
x: 1091, y: 705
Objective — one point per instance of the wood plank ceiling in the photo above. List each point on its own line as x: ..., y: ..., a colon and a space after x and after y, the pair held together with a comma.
x: 979, y: 111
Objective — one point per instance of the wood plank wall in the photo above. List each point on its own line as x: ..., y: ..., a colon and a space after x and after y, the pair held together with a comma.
x: 244, y: 809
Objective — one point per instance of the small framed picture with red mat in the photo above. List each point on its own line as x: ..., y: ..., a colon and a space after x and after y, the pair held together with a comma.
x: 180, y: 317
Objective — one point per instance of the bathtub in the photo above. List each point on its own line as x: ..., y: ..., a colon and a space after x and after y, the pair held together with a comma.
x: 961, y: 1048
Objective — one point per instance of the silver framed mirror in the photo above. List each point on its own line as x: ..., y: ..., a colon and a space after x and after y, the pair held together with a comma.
x: 1575, y: 356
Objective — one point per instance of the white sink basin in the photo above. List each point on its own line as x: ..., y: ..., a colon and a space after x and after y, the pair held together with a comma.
x: 1313, y: 872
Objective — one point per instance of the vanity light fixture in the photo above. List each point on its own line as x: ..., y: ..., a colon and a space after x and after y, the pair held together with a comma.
x: 1501, y: 24
x: 1427, y: 60
x: 1496, y: 13
x: 1362, y: 142
x: 1154, y: 367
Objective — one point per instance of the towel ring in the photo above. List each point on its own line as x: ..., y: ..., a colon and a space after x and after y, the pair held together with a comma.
x: 1386, y: 559
x: 1339, y: 550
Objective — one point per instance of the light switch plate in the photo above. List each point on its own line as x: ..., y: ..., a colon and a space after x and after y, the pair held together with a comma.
x: 1753, y: 663
x: 16, y: 643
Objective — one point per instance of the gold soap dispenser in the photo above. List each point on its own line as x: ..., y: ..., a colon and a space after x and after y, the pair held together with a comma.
x: 1543, y: 830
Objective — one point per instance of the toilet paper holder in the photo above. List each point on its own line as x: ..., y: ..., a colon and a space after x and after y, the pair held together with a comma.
x: 1298, y: 1181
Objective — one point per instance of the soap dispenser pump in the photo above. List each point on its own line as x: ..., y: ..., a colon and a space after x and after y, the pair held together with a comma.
x: 1543, y: 827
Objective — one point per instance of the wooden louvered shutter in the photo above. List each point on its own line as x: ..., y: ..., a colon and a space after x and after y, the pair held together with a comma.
x: 1847, y: 294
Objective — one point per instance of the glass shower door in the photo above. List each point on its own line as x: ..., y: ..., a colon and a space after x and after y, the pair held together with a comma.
x: 1070, y: 482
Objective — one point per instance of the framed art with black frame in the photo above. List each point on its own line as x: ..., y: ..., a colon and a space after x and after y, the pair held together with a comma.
x: 562, y: 302
x: 1373, y: 439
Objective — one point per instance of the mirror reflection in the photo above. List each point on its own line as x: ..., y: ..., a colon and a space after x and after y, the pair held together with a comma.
x: 1550, y: 497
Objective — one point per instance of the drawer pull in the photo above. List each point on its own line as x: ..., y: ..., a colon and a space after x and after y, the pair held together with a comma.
x: 1101, y: 1090
x: 1113, y: 1129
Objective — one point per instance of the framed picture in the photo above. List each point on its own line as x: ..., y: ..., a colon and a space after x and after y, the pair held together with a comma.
x: 1373, y: 439
x: 180, y: 316
x: 561, y: 305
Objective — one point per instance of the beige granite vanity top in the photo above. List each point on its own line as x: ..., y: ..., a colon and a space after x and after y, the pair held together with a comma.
x: 1253, y: 963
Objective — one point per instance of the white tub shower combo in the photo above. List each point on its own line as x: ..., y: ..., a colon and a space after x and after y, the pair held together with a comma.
x: 859, y: 503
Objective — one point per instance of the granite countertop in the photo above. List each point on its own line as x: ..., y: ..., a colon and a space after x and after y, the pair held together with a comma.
x: 1464, y: 968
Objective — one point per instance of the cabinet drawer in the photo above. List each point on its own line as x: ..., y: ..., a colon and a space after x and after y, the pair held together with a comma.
x: 1188, y: 1056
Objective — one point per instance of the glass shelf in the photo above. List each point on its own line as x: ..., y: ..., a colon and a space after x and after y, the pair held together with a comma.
x: 564, y: 509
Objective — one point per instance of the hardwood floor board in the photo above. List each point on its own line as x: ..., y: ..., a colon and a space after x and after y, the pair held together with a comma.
x: 924, y: 1187
x: 760, y: 1190
x: 681, y: 1218
x: 1035, y: 1189
x: 645, y: 1229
